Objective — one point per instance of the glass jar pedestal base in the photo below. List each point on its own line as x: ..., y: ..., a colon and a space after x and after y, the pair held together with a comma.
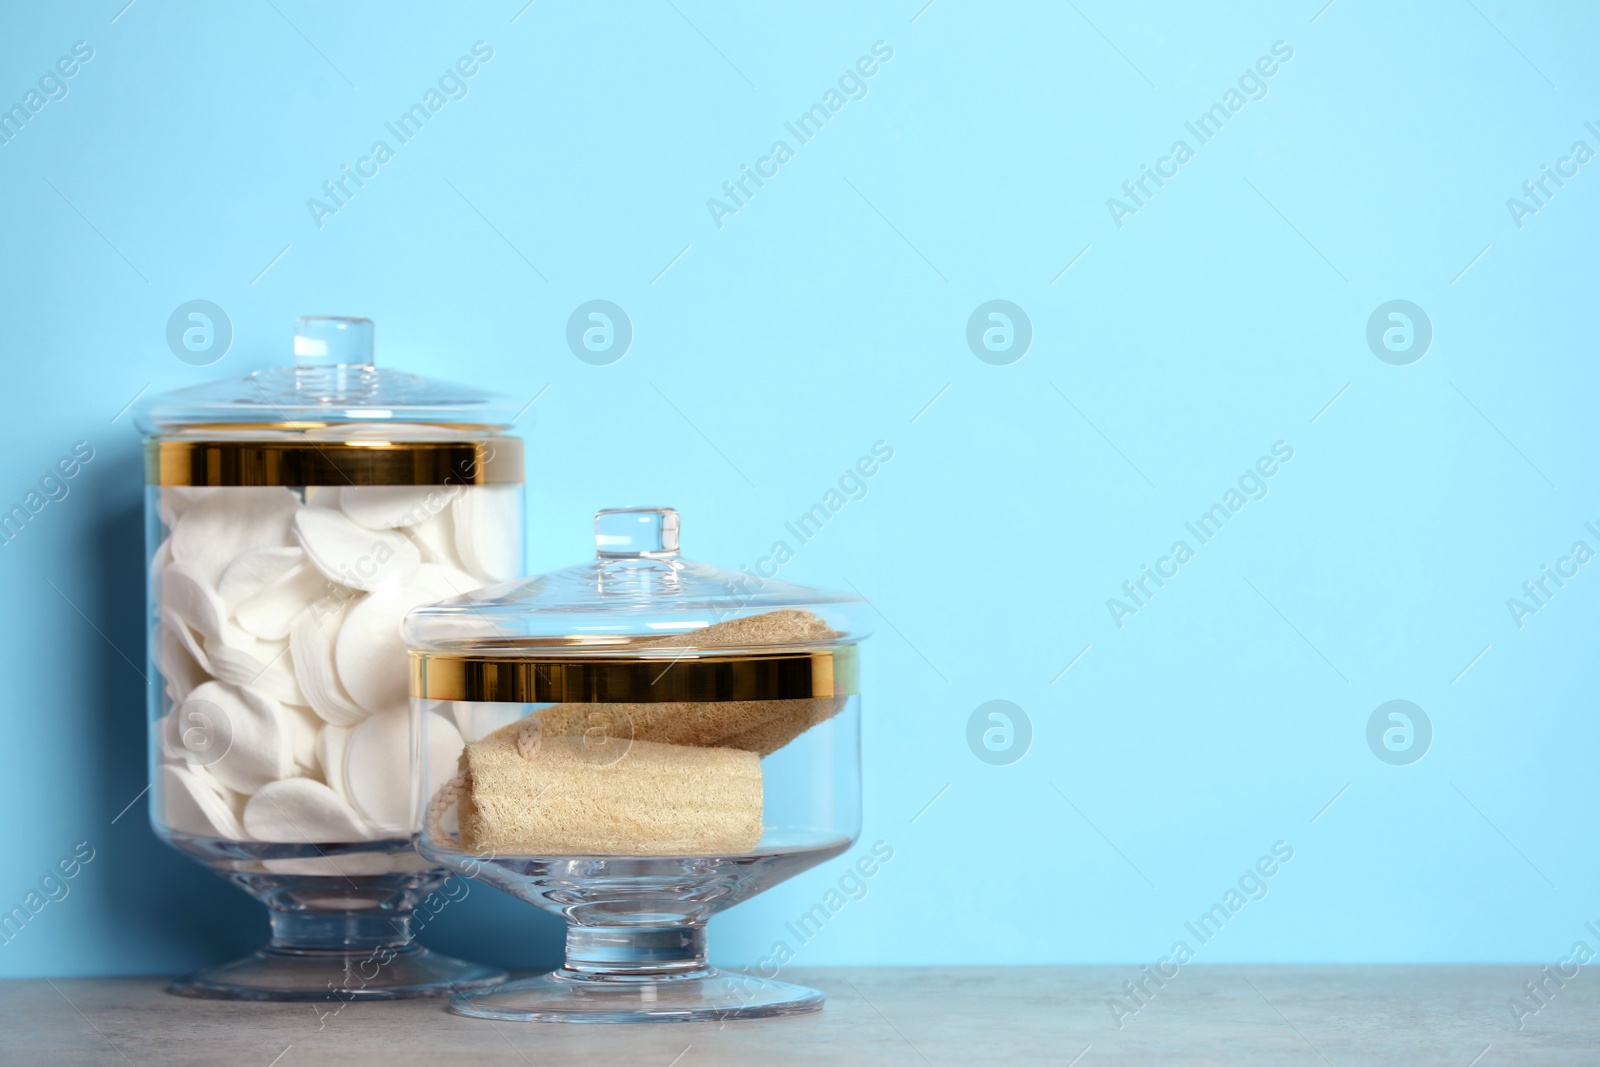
x: 561, y: 997
x: 333, y: 956
x: 341, y: 940
x: 637, y: 974
x: 277, y: 973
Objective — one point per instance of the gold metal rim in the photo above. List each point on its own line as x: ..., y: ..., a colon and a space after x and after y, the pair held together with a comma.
x: 494, y: 461
x: 699, y: 678
x: 474, y: 431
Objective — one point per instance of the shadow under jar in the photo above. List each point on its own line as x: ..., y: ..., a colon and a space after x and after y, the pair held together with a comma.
x: 293, y: 518
x: 641, y: 742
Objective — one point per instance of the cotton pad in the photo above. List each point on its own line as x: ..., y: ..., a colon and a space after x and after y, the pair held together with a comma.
x: 199, y: 731
x: 322, y: 496
x: 353, y: 555
x: 159, y: 562
x: 253, y: 571
x: 381, y: 744
x: 221, y: 526
x: 370, y: 654
x: 332, y: 741
x: 186, y: 637
x: 253, y: 728
x: 301, y: 811
x: 311, y: 643
x: 178, y: 667
x: 387, y: 506
x: 170, y: 729
x: 436, y: 539
x: 185, y: 594
x: 302, y: 726
x: 244, y: 659
x: 271, y: 612
x: 482, y: 515
x: 377, y: 756
x: 173, y: 500
x: 195, y: 806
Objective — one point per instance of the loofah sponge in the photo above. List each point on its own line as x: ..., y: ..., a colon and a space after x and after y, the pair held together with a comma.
x: 556, y: 798
x: 794, y: 718
x: 759, y: 726
x: 791, y: 626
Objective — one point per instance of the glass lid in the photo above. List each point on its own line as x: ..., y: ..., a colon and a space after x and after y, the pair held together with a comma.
x: 331, y: 384
x: 638, y: 597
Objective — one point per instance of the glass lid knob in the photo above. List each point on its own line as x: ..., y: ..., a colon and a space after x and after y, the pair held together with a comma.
x: 634, y: 533
x: 332, y: 341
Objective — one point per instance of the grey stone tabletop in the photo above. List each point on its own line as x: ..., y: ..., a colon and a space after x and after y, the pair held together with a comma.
x: 1330, y: 1016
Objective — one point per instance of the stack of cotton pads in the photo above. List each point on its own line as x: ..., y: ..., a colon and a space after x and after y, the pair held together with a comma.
x: 279, y: 642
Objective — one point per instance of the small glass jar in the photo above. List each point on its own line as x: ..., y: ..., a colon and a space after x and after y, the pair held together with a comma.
x: 293, y: 518
x: 637, y: 744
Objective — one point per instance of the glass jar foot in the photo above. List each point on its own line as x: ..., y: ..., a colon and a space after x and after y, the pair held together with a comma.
x: 335, y: 956
x: 562, y: 997
x: 637, y: 975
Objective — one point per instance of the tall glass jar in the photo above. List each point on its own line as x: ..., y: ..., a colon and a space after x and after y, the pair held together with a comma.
x: 293, y: 518
x: 636, y: 744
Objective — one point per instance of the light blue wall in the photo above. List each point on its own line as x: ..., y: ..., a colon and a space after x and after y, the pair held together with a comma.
x: 1226, y: 315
